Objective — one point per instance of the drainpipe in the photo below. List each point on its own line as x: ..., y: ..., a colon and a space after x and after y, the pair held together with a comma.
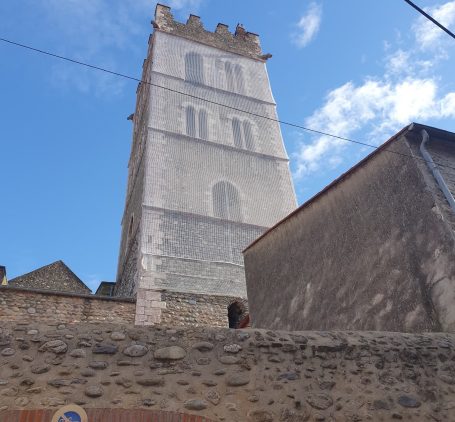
x: 434, y: 169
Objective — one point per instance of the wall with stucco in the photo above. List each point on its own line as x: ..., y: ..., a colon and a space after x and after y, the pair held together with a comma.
x: 373, y: 252
x: 228, y: 375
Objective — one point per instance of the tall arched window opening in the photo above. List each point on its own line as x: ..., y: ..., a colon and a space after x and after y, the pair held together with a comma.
x: 248, y: 135
x: 226, y: 201
x: 238, y: 72
x: 190, y: 121
x: 229, y: 76
x: 203, y: 131
x: 194, y: 68
x: 237, y: 132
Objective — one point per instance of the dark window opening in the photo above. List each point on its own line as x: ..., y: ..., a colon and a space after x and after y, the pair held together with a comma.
x: 194, y: 65
x: 237, y: 131
x: 234, y: 314
x: 248, y: 132
x: 203, y: 131
x: 190, y: 121
x: 226, y: 201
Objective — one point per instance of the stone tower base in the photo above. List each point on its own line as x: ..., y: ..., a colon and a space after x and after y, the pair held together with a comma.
x: 188, y: 309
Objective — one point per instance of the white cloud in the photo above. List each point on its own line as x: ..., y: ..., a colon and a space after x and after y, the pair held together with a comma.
x: 308, y: 25
x: 350, y: 108
x: 398, y: 62
x: 428, y: 35
x: 448, y: 105
x: 409, y: 90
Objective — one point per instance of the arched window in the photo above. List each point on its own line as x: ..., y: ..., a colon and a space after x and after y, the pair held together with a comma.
x: 237, y: 132
x: 194, y: 68
x: 229, y: 76
x: 235, y: 312
x: 238, y: 72
x: 226, y: 201
x: 203, y: 132
x: 190, y: 121
x: 248, y: 135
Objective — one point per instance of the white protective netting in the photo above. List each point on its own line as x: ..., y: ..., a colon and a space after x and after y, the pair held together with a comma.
x: 216, y: 177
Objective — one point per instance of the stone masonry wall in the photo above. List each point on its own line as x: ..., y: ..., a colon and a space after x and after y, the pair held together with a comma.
x: 229, y: 375
x: 242, y: 42
x: 372, y: 252
x: 41, y: 306
x: 197, y: 310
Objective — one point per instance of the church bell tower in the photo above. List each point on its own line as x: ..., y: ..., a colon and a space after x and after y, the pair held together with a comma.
x: 206, y: 175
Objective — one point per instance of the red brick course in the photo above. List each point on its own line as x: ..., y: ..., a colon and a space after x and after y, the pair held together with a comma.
x: 103, y: 415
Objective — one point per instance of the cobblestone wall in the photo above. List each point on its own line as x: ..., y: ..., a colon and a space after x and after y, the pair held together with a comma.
x: 41, y: 306
x: 229, y: 375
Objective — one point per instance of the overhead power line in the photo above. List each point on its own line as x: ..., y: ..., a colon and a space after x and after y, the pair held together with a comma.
x: 122, y: 75
x: 430, y: 18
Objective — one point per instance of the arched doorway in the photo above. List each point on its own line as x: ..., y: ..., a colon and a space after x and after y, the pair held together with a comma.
x: 235, y: 313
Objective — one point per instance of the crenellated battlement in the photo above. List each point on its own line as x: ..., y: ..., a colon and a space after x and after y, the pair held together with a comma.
x: 240, y: 42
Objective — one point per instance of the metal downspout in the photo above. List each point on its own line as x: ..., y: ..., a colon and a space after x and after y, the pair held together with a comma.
x: 434, y: 169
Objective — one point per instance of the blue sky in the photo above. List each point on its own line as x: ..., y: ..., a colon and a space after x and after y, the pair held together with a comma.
x: 356, y: 68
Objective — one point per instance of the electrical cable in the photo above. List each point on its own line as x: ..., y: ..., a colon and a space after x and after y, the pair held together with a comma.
x: 421, y: 11
x: 307, y: 129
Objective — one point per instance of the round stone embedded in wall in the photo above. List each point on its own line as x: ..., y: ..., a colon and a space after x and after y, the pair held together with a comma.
x: 203, y: 346
x: 232, y: 348
x: 105, y: 349
x: 135, y: 350
x: 8, y: 352
x: 319, y: 401
x: 260, y: 416
x: 40, y: 369
x: 151, y: 382
x: 195, y: 404
x: 117, y: 336
x: 407, y: 401
x: 78, y: 353
x: 229, y: 360
x: 237, y: 379
x: 170, y: 353
x: 98, y: 364
x: 94, y: 391
x: 21, y: 401
x: 55, y: 346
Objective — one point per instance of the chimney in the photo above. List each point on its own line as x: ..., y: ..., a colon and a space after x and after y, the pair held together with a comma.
x: 3, y: 279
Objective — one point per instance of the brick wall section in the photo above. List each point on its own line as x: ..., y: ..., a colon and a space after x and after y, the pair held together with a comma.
x: 103, y: 415
x: 43, y: 306
x: 197, y: 310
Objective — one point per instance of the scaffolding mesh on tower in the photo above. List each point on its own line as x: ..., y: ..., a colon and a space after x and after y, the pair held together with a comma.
x: 214, y: 175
